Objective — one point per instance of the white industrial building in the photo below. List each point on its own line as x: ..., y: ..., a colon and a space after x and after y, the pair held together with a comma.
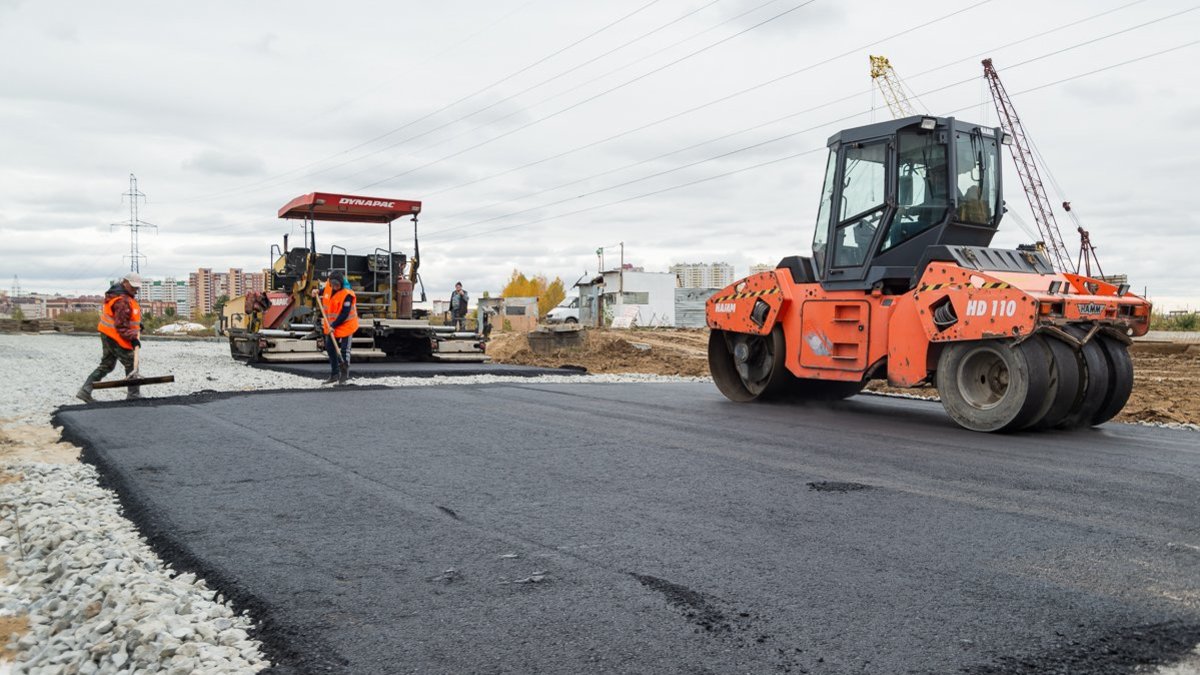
x: 643, y: 298
x: 703, y: 275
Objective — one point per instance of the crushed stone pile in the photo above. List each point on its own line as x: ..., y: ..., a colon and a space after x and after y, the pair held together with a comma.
x: 94, y: 596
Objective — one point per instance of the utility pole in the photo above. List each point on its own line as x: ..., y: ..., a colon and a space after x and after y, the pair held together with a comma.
x: 621, y: 276
x: 134, y: 223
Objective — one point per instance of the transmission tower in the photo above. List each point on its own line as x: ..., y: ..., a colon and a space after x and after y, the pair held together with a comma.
x: 892, y: 87
x: 1027, y: 169
x: 134, y: 223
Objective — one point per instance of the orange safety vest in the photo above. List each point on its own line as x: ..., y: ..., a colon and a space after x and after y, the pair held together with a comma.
x: 333, y: 307
x: 108, y: 320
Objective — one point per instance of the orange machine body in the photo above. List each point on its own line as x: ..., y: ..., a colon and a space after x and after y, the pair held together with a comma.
x: 854, y: 335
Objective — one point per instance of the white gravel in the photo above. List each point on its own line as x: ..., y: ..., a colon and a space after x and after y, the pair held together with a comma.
x: 97, y: 598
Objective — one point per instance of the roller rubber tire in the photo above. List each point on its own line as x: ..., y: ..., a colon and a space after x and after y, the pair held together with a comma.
x: 992, y: 385
x: 766, y: 377
x: 1120, y: 378
x: 1065, y: 385
x: 1093, y: 390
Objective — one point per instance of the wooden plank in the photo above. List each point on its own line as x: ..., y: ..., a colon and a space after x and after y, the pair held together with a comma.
x: 134, y: 382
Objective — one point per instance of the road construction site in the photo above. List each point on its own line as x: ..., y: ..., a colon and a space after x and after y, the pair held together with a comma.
x: 1166, y: 366
x: 577, y: 523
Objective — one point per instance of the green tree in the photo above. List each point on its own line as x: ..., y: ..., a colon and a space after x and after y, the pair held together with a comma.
x: 220, y: 304
x: 170, y: 311
x: 18, y: 314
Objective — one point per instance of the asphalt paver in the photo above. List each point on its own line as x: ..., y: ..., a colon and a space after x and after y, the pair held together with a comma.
x: 369, y: 369
x: 567, y: 528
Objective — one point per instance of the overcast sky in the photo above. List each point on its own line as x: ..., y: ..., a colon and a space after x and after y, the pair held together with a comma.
x: 536, y: 131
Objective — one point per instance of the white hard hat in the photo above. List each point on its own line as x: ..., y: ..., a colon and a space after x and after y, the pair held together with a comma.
x: 133, y: 279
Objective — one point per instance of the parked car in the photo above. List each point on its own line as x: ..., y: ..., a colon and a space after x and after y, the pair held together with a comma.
x: 567, y: 311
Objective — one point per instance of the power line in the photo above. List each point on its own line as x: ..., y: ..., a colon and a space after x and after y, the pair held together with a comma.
x: 501, y: 101
x: 580, y: 85
x: 593, y: 97
x: 711, y: 102
x: 540, y: 102
x: 804, y: 152
x: 760, y: 144
x: 441, y: 109
x: 431, y: 58
x: 796, y: 72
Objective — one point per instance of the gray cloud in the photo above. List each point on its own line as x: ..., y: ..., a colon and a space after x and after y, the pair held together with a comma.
x: 224, y: 163
x: 62, y: 31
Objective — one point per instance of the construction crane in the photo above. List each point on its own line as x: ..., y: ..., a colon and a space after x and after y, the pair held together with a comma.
x: 1023, y: 151
x: 889, y: 84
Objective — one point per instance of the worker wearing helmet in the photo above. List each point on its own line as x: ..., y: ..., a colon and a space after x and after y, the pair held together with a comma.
x: 120, y: 328
x: 340, y: 323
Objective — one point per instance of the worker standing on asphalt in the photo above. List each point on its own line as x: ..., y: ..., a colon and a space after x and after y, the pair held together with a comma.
x: 120, y: 329
x: 458, y: 307
x: 339, y: 325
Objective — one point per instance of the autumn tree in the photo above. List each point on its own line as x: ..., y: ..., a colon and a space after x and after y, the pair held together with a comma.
x: 549, y: 294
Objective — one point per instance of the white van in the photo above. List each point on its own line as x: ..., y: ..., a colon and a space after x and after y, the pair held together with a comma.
x: 567, y: 311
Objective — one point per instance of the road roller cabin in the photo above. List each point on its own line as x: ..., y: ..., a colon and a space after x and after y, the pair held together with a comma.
x: 902, y: 286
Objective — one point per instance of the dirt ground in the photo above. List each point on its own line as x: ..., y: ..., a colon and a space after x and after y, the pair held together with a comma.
x: 31, y: 443
x: 1166, y: 376
x: 659, y: 351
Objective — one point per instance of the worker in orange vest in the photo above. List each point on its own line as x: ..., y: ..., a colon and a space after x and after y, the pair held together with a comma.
x: 120, y: 329
x: 341, y: 308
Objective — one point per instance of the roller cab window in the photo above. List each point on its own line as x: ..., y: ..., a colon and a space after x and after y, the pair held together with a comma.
x: 976, y: 182
x: 861, y: 206
x: 821, y: 233
x: 922, y: 186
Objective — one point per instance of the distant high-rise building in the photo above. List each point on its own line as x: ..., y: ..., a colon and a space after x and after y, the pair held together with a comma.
x: 169, y: 289
x: 703, y: 275
x: 206, y: 286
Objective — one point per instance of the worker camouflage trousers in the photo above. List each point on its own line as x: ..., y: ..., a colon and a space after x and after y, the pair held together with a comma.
x: 112, y: 353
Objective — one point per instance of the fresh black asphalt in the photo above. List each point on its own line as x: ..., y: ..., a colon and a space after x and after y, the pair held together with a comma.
x: 369, y: 369
x: 657, y: 528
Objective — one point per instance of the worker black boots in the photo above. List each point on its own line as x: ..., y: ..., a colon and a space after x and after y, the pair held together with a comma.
x: 342, y: 376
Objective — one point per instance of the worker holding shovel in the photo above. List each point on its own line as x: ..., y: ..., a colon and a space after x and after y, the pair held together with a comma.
x: 339, y: 314
x: 120, y: 327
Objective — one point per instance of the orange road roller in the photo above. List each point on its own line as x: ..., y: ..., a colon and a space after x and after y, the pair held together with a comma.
x: 902, y: 285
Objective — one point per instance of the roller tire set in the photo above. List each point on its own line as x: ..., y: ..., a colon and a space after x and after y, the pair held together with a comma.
x: 1041, y: 382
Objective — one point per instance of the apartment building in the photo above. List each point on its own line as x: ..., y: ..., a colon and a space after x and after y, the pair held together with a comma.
x: 168, y: 290
x: 205, y: 287
x: 703, y: 275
